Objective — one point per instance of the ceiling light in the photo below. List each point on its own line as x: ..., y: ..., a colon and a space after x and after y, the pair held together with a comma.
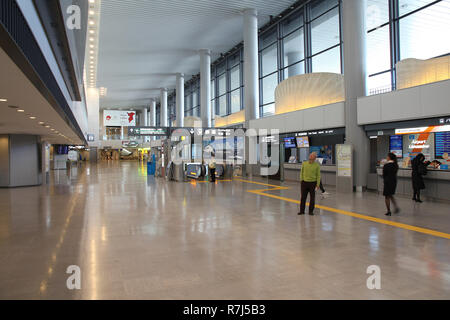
x: 91, y: 22
x: 92, y: 46
x: 41, y: 123
x: 91, y: 12
x: 91, y: 39
x: 47, y: 126
x: 52, y: 129
x: 91, y: 1
x: 20, y: 110
x: 91, y: 52
x: 3, y: 100
x: 33, y: 118
x: 91, y: 31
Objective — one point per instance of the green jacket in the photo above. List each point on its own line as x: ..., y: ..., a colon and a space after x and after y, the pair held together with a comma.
x: 310, y: 172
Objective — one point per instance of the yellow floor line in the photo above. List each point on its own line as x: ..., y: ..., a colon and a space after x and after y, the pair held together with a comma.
x: 344, y: 212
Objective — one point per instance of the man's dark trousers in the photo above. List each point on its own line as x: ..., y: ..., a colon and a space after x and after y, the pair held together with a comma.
x: 308, y: 187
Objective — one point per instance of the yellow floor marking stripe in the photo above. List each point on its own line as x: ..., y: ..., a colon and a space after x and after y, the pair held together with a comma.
x: 344, y: 212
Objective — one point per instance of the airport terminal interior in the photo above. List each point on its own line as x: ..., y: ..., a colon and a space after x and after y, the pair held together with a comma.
x: 225, y: 150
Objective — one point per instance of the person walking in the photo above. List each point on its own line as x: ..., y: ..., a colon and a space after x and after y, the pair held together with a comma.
x: 390, y: 170
x: 419, y: 169
x: 212, y: 169
x: 310, y: 182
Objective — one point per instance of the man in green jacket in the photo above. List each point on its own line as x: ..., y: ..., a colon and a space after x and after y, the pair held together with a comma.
x: 310, y: 182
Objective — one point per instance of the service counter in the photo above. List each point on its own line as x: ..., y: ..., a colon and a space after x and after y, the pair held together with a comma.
x: 292, y: 173
x: 437, y: 183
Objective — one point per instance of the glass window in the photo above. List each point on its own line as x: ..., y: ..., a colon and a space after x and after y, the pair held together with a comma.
x: 406, y: 6
x: 234, y: 59
x: 195, y: 99
x: 377, y: 13
x: 292, y: 23
x: 424, y: 34
x: 329, y: 61
x: 223, y: 105
x: 268, y: 38
x: 187, y: 102
x: 293, y: 47
x: 269, y: 60
x: 235, y: 77
x: 221, y: 68
x: 320, y: 6
x: 268, y: 110
x: 295, y: 69
x: 378, y: 50
x: 269, y: 84
x: 222, y: 84
x: 325, y: 31
x: 235, y: 100
x: 380, y: 83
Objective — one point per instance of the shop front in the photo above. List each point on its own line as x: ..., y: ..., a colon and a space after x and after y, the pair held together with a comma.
x: 430, y: 137
x: 298, y: 145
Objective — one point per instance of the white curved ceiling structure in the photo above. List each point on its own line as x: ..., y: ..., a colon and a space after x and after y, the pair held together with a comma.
x: 142, y: 43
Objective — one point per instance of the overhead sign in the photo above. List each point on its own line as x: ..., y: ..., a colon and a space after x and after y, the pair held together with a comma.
x: 321, y: 132
x: 423, y: 130
x: 147, y: 131
x: 119, y: 118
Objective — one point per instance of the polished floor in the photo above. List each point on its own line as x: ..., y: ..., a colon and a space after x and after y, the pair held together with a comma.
x: 137, y: 237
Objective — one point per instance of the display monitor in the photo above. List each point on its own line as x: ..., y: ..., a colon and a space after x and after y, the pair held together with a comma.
x: 442, y: 144
x: 303, y: 142
x: 396, y: 145
x: 289, y: 142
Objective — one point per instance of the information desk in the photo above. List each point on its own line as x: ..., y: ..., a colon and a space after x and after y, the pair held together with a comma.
x: 292, y: 173
x: 437, y: 183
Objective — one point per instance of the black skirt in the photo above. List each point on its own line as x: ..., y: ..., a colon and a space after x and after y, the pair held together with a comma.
x: 389, y: 179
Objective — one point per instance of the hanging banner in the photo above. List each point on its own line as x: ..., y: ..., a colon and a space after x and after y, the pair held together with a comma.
x: 119, y: 118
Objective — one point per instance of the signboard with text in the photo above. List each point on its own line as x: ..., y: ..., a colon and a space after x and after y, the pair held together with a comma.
x: 119, y: 118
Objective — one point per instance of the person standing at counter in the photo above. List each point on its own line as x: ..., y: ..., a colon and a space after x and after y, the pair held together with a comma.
x: 390, y: 170
x: 419, y: 169
x: 310, y: 182
x: 212, y: 169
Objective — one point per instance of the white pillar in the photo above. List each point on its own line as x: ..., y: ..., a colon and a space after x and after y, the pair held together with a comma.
x: 205, y: 87
x: 353, y: 26
x: 163, y: 113
x: 153, y: 113
x: 251, y: 92
x: 145, y: 116
x: 180, y: 100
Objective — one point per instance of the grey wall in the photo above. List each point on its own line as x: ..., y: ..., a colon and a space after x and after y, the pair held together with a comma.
x: 426, y: 101
x: 4, y: 160
x: 25, y: 164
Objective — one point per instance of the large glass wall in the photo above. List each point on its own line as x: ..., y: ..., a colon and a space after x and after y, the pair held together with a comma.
x: 191, y: 98
x: 401, y: 29
x: 307, y: 40
x: 227, y: 84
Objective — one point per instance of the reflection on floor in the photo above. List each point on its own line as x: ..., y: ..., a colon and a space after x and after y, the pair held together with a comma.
x: 137, y: 237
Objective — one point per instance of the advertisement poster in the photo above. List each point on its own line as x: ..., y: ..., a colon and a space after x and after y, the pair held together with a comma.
x: 324, y: 152
x: 344, y: 160
x: 119, y: 118
x: 396, y: 145
x: 413, y: 144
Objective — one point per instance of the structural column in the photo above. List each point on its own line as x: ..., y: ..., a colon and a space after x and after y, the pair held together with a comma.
x: 153, y: 113
x: 163, y: 113
x: 251, y: 92
x: 353, y: 20
x: 205, y: 87
x: 180, y: 100
x: 145, y: 122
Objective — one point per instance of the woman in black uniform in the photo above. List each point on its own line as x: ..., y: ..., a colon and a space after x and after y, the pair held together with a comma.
x: 419, y: 169
x: 390, y: 170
